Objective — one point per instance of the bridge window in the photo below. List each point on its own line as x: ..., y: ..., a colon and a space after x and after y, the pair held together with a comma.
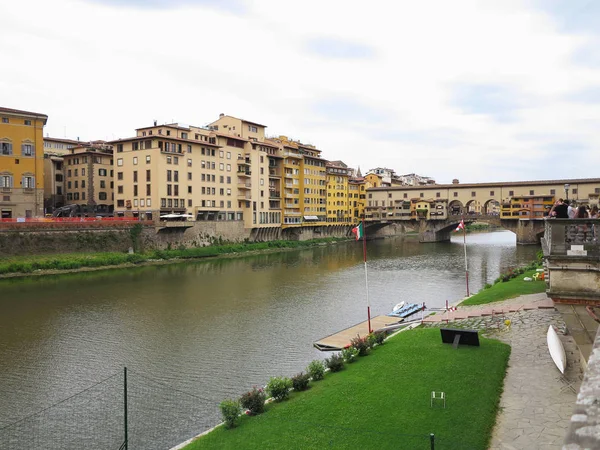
x: 511, y: 193
x: 531, y: 192
x: 370, y: 195
x: 437, y: 194
x: 390, y: 195
x: 552, y: 191
x: 597, y: 190
x: 491, y: 193
x: 456, y: 194
x: 421, y: 194
x: 405, y: 195
x: 574, y: 191
x: 472, y: 193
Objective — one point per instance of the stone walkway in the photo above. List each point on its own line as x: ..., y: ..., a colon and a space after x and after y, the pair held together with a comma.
x: 537, y: 401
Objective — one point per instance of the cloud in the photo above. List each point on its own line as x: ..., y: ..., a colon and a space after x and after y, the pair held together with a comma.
x: 587, y: 95
x: 500, y: 103
x: 225, y: 5
x: 348, y: 110
x: 339, y: 49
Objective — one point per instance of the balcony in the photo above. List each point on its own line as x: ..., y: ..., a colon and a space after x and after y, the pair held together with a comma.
x: 274, y: 194
x: 274, y: 173
x: 244, y: 186
x: 244, y: 196
x: 243, y: 161
x: 572, y: 260
x: 244, y: 173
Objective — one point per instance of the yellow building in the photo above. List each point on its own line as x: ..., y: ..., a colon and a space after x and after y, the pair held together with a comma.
x: 313, y: 192
x: 356, y: 198
x: 338, y: 193
x: 21, y: 163
x: 373, y: 180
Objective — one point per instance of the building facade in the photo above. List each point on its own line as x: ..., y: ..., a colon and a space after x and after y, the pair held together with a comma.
x: 21, y: 163
x: 338, y: 193
x: 54, y: 177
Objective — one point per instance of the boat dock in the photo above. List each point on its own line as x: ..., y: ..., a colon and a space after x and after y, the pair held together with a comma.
x: 341, y: 339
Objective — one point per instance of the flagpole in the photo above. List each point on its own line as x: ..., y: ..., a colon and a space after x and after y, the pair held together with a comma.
x: 366, y: 275
x: 466, y: 264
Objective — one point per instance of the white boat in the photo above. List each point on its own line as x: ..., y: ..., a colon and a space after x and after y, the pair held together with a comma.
x: 398, y: 306
x: 557, y: 351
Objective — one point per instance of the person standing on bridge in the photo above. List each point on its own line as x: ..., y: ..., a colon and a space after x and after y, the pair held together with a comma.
x: 571, y: 209
x: 559, y: 210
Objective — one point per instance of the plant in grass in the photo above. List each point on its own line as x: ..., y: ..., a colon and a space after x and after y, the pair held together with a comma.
x: 254, y: 401
x: 300, y: 381
x: 279, y: 388
x: 361, y: 344
x: 230, y: 409
x: 350, y: 354
x: 316, y: 370
x: 335, y: 363
x: 379, y: 337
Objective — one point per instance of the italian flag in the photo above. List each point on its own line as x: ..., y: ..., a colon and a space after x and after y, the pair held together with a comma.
x: 461, y: 226
x: 358, y: 231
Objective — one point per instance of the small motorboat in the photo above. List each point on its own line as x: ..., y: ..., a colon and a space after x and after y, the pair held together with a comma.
x: 404, y: 309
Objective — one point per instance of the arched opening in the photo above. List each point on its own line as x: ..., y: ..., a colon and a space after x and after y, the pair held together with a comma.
x: 473, y: 207
x: 455, y: 208
x: 492, y: 208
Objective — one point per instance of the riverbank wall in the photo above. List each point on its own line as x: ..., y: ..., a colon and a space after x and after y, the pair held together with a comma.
x: 90, y: 237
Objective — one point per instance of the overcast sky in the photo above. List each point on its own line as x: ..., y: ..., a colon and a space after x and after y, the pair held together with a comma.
x: 501, y: 90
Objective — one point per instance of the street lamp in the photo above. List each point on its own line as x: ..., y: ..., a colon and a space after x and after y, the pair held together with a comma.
x: 567, y: 186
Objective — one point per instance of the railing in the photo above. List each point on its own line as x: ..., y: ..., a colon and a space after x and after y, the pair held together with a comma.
x: 560, y: 235
x: 71, y: 219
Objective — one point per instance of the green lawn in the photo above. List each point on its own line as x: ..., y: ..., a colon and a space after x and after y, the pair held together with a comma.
x: 383, y: 401
x: 509, y: 289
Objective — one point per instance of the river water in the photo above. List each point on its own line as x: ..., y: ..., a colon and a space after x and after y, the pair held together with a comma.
x: 195, y: 333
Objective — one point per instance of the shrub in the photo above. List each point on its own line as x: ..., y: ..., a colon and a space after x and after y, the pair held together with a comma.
x: 279, y: 387
x: 254, y: 401
x: 360, y: 344
x: 316, y: 370
x: 350, y: 354
x: 487, y: 286
x: 379, y: 337
x: 335, y: 363
x: 300, y: 381
x: 230, y: 409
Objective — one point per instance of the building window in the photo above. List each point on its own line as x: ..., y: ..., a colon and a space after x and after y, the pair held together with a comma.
x: 119, y: 189
x: 148, y: 175
x: 5, y: 120
x: 135, y: 160
x: 6, y: 181
x: 119, y: 148
x: 421, y: 194
x: 135, y: 190
x: 135, y: 178
x: 189, y: 163
x: 102, y: 196
x: 5, y: 148
x: 147, y: 159
x: 531, y: 192
x: 553, y: 191
x: 102, y: 184
x: 119, y: 175
x: 120, y: 203
x: 169, y: 177
x: 148, y: 189
x: 437, y: 194
x: 27, y: 150
x: 27, y: 122
x: 574, y: 191
x: 473, y: 193
x: 511, y: 193
x: 405, y: 195
x: 102, y: 172
x: 83, y: 183
x: 28, y: 182
x: 491, y: 193
x: 119, y: 162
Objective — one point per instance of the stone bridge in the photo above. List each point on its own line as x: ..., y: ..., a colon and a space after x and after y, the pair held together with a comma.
x: 437, y: 230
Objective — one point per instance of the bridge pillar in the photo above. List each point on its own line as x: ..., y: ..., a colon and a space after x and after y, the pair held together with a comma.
x: 529, y: 231
x: 429, y: 233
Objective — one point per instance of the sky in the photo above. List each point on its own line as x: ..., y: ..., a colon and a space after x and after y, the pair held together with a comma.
x: 504, y: 90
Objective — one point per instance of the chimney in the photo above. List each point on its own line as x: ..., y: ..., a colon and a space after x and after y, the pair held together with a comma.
x: 455, y: 181
x: 155, y: 123
x: 221, y: 115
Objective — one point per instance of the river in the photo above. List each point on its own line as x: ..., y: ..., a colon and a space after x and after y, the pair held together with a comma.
x: 195, y: 333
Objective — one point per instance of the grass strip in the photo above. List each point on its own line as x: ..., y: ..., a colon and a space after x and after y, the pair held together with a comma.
x: 383, y: 402
x: 30, y: 264
x: 504, y: 290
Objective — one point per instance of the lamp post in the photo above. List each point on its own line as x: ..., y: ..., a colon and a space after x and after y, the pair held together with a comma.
x: 567, y: 186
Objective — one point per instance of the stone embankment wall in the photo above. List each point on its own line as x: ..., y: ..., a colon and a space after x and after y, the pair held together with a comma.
x: 53, y: 238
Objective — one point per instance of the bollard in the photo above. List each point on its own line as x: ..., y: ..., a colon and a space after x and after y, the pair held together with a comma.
x: 432, y: 439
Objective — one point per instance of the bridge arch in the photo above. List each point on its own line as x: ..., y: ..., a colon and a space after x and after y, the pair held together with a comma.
x: 473, y: 207
x: 456, y: 208
x: 491, y: 207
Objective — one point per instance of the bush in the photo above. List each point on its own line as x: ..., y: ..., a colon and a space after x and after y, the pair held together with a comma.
x: 335, y: 363
x: 360, y: 344
x: 279, y: 388
x: 379, y: 337
x: 230, y: 409
x: 254, y: 401
x: 316, y: 370
x: 487, y: 286
x: 350, y: 354
x: 300, y: 381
